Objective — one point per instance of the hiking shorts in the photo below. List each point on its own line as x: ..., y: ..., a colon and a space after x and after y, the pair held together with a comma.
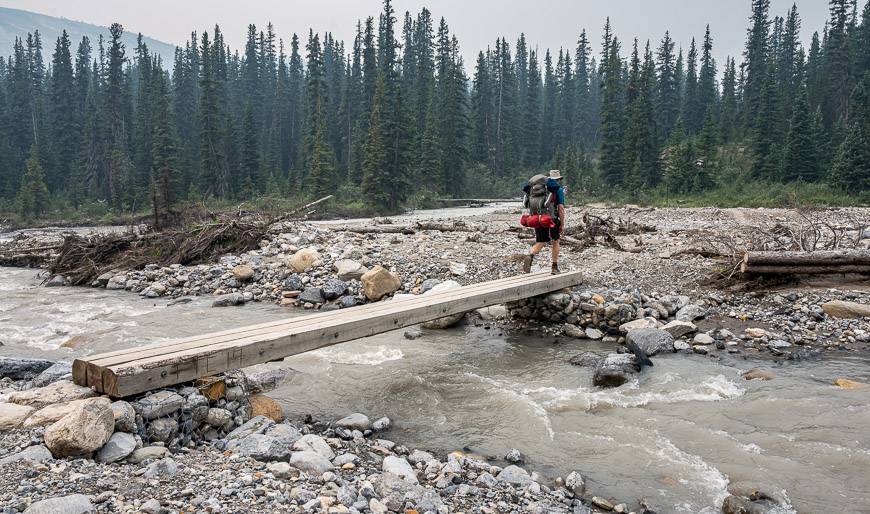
x: 545, y: 235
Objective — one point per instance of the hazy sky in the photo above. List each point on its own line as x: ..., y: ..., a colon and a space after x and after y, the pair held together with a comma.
x: 546, y: 23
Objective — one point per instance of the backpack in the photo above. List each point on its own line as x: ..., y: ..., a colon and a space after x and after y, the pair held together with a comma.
x: 539, y: 200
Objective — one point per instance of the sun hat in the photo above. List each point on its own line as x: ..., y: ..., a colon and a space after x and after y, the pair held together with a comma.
x: 555, y: 174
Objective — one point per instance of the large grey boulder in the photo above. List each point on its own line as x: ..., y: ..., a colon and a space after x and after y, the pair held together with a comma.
x: 315, y: 443
x: 400, y: 467
x: 691, y: 312
x: 229, y: 300
x: 310, y: 462
x: 82, y: 431
x: 679, y: 329
x: 615, y: 370
x: 261, y: 447
x: 58, y: 371
x: 159, y: 404
x: 255, y: 425
x: 514, y: 475
x: 72, y: 504
x: 651, y: 340
x: 355, y: 421
x: 35, y: 453
x: 119, y: 446
x: 22, y: 369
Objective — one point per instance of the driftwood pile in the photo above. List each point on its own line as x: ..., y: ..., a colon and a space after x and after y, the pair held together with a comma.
x: 597, y: 231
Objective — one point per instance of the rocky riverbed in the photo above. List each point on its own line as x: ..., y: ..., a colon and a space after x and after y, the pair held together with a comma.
x: 653, y: 298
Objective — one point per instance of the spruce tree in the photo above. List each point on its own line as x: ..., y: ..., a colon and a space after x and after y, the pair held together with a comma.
x: 692, y: 114
x: 33, y: 196
x: 164, y: 164
x: 668, y: 97
x: 707, y: 91
x: 612, y: 158
x: 800, y: 156
x: 63, y: 128
x: 850, y: 170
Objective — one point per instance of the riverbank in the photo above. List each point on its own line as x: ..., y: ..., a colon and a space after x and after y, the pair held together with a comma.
x: 769, y: 329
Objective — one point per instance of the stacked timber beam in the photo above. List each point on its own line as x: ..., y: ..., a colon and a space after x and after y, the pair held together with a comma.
x: 824, y: 262
x: 127, y: 372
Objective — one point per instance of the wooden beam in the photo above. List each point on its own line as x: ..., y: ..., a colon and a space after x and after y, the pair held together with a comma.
x: 124, y: 373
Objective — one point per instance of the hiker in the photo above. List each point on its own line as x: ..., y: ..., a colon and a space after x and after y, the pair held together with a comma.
x: 545, y: 195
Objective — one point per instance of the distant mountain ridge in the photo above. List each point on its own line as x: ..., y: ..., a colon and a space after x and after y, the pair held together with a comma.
x: 17, y: 23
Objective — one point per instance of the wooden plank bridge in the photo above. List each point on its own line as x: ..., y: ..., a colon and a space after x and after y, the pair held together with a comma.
x: 135, y: 370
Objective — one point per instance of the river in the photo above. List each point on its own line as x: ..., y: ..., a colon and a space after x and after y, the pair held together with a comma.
x: 688, y: 430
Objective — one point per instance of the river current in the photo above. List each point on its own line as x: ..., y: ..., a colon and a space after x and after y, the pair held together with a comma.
x: 688, y: 430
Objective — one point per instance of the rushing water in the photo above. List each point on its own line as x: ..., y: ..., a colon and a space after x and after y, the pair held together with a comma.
x: 683, y: 434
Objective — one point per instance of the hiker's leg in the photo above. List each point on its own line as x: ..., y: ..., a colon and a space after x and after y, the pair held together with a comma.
x: 555, y: 250
x: 537, y: 247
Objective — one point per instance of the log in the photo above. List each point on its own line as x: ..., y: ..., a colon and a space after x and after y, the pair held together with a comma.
x: 381, y: 229
x: 834, y: 269
x: 444, y: 227
x: 819, y: 258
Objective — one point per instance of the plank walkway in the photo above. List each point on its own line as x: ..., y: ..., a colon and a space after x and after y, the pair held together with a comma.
x: 127, y: 372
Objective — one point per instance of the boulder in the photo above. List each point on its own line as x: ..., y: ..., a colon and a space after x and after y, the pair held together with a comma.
x: 514, y: 475
x: 243, y: 273
x: 703, y: 339
x: 35, y: 453
x: 758, y: 374
x: 639, y: 324
x: 293, y: 283
x: 355, y: 421
x: 679, y: 329
x: 400, y: 467
x: 57, y: 281
x: 348, y: 269
x: 333, y: 288
x: 58, y: 371
x: 255, y: 425
x: 737, y: 505
x: 159, y: 404
x: 262, y: 378
x: 22, y: 369
x: 163, y: 467
x: 615, y: 370
x: 13, y: 416
x: 651, y: 340
x: 845, y: 383
x: 229, y: 300
x: 314, y: 443
x: 575, y: 483
x: 264, y: 406
x: 691, y: 312
x: 574, y: 331
x: 119, y: 446
x: 304, y: 259
x: 51, y: 413
x: 72, y: 504
x: 312, y: 295
x: 148, y: 453
x: 447, y: 321
x: 593, y: 333
x: 262, y: 447
x: 420, y: 457
x: 218, y: 417
x: 310, y: 462
x: 379, y: 282
x: 586, y: 359
x: 58, y: 392
x: 125, y: 417
x: 162, y: 429
x: 493, y: 312
x: 381, y: 424
x: 846, y: 310
x: 82, y: 431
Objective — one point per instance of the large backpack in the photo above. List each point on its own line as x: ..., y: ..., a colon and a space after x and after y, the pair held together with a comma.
x: 539, y: 199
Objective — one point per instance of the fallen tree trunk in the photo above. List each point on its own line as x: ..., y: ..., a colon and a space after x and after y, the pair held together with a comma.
x: 444, y: 227
x: 805, y: 270
x: 377, y: 230
x: 819, y: 258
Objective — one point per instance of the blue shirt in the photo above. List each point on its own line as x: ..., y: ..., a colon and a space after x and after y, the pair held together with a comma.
x: 554, y: 187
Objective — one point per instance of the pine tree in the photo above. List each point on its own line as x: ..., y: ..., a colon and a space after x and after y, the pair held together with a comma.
x: 692, y: 114
x: 668, y: 96
x: 63, y: 109
x: 766, y: 138
x: 612, y: 163
x: 850, y: 170
x: 33, y: 196
x: 755, y: 60
x: 250, y: 155
x: 375, y: 183
x: 800, y: 157
x: 707, y: 91
x: 321, y: 163
x: 837, y: 57
x: 213, y: 164
x: 728, y: 117
x: 164, y: 170
x: 119, y: 162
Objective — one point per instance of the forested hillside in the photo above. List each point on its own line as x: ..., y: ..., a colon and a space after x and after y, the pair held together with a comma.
x: 396, y: 115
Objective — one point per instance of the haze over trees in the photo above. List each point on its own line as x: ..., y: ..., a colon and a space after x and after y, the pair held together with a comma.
x: 396, y: 115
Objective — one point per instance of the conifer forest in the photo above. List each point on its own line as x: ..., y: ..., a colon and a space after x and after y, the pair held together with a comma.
x: 396, y: 115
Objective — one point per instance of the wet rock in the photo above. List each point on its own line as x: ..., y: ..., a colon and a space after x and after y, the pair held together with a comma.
x: 333, y: 288
x: 586, y: 359
x: 737, y: 505
x: 614, y: 370
x: 514, y: 475
x: 355, y: 421
x: 315, y: 443
x: 575, y: 483
x: 262, y: 379
x: 12, y: 416
x: 515, y: 456
x: 119, y: 446
x: 310, y: 462
x: 229, y: 300
x: 82, y: 431
x: 846, y: 310
x: 651, y: 340
x: 574, y: 331
x: 148, y: 453
x: 602, y: 503
x: 57, y: 281
x: 161, y: 403
x: 264, y: 406
x: 413, y: 333
x: 700, y: 349
x: 22, y: 369
x: 243, y: 273
x: 381, y: 424
x: 312, y: 295
x: 758, y: 374
x: 348, y: 269
x: 691, y: 313
x: 447, y: 321
x: 845, y: 383
x: 678, y: 329
x: 36, y: 453
x: 58, y: 371
x: 125, y: 417
x: 594, y: 333
x: 400, y: 467
x: 72, y: 504
x: 682, y: 346
x: 304, y: 259
x: 379, y: 282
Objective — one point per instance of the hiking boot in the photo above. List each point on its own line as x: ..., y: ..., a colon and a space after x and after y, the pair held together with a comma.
x: 527, y: 263
x: 555, y: 270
